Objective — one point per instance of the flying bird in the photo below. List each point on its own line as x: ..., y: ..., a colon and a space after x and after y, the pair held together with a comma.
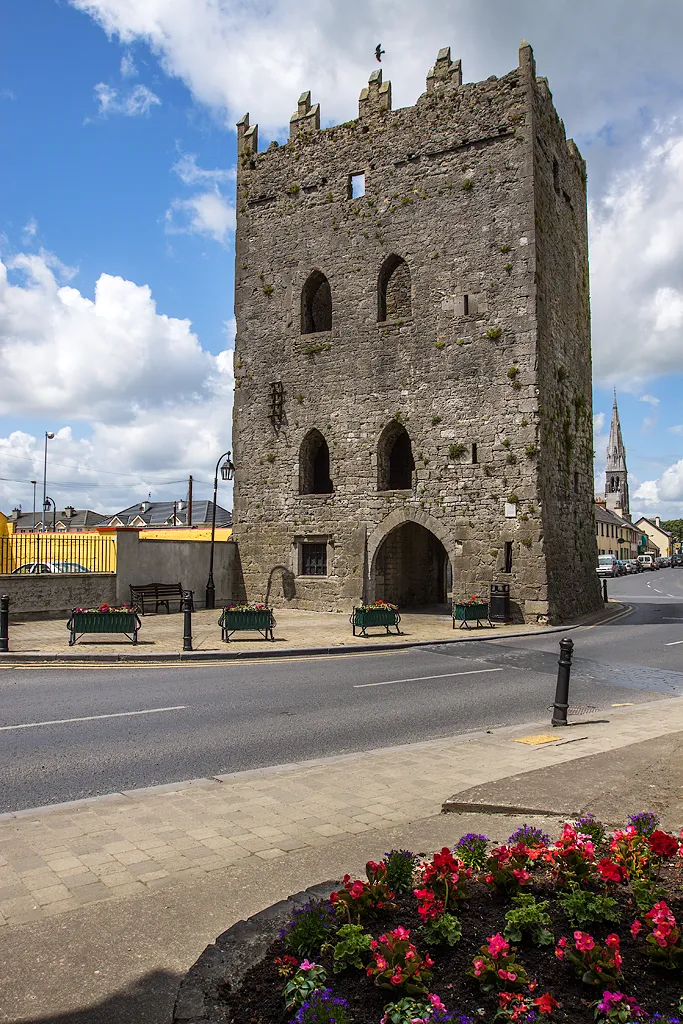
x: 378, y: 52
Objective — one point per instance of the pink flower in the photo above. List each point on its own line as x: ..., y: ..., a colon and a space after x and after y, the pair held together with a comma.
x: 612, y: 940
x: 436, y: 1002
x: 497, y: 945
x: 306, y: 965
x: 401, y: 933
x: 380, y: 963
x: 584, y: 941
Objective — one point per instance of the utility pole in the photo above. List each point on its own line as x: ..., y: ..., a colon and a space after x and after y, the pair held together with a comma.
x: 188, y: 518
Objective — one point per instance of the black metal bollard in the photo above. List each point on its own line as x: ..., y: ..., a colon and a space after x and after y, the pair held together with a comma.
x: 604, y: 591
x: 187, y: 620
x: 4, y: 624
x: 562, y: 689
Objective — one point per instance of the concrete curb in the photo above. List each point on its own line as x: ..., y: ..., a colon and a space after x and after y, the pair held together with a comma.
x: 476, y: 807
x: 71, y: 657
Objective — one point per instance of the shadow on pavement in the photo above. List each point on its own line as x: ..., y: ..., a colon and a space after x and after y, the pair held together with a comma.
x: 149, y: 1000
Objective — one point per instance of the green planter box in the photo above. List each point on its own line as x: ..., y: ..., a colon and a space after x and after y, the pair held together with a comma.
x: 260, y: 620
x: 466, y: 613
x: 361, y: 618
x: 80, y: 623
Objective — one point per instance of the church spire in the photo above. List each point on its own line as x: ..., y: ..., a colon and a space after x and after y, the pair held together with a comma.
x: 616, y: 474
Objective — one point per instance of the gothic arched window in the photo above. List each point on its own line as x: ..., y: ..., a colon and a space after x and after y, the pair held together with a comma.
x: 395, y: 463
x: 394, y: 301
x: 314, y: 465
x: 316, y: 304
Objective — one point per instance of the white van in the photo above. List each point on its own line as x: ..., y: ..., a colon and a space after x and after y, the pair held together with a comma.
x: 647, y: 562
x: 607, y: 565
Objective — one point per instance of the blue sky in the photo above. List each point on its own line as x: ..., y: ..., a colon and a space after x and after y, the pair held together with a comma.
x: 117, y: 185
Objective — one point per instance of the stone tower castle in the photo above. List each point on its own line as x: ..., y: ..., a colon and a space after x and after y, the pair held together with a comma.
x: 413, y: 367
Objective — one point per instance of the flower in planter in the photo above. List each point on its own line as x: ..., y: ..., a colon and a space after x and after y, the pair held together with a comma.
x: 377, y: 606
x: 471, y: 849
x: 595, y: 963
x: 396, y: 963
x: 323, y: 1008
x: 663, y: 943
x: 303, y: 984
x: 246, y: 608
x: 357, y: 898
x: 617, y: 1008
x: 496, y: 967
x: 104, y: 609
x: 416, y: 1011
x: 474, y: 599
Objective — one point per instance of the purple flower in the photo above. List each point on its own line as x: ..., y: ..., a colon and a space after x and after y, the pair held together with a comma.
x: 529, y: 835
x: 644, y: 823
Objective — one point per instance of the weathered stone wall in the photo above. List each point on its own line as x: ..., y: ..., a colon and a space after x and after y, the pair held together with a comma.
x: 564, y: 365
x: 55, y: 595
x: 449, y: 188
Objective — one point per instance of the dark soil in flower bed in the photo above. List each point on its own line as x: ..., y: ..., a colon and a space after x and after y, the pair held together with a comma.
x: 259, y: 998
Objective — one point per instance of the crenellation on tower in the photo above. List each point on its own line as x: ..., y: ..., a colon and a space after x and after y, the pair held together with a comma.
x: 247, y: 137
x: 445, y: 70
x: 307, y: 117
x: 375, y: 98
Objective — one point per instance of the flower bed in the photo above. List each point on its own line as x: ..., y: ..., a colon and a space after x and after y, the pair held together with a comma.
x: 583, y: 929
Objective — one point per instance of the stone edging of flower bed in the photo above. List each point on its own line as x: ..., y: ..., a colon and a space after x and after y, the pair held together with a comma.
x: 235, y: 952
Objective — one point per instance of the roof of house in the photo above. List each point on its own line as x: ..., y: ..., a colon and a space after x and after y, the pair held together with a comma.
x: 82, y: 519
x: 160, y: 513
x: 644, y: 519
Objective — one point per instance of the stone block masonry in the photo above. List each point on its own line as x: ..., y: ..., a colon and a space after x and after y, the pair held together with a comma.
x: 412, y: 361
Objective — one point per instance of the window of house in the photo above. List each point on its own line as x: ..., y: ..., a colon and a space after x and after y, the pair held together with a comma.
x: 356, y: 186
x: 394, y: 300
x: 508, y: 556
x: 314, y: 559
x: 316, y: 304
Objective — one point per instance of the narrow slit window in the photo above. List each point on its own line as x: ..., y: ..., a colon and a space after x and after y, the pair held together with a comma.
x: 556, y: 175
x: 474, y: 454
x: 465, y: 305
x: 576, y: 482
x: 356, y: 186
x: 508, y: 556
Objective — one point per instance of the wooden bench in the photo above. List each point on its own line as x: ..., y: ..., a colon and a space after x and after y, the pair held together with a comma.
x: 159, y: 593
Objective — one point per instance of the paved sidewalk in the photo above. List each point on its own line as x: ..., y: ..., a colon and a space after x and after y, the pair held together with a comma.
x: 162, y: 634
x: 56, y: 859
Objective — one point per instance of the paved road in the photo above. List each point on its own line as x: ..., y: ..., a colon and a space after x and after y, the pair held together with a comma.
x: 68, y: 733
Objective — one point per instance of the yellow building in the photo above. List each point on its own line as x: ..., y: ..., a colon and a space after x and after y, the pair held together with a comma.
x: 657, y: 535
x: 615, y: 536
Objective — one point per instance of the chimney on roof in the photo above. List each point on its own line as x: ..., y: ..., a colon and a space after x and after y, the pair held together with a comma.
x: 658, y: 521
x: 146, y: 506
x: 69, y: 511
x: 14, y: 515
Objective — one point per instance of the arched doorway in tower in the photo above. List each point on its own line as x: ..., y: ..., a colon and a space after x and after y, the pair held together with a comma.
x: 411, y: 567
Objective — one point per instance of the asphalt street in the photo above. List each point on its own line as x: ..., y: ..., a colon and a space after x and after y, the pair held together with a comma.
x: 67, y: 733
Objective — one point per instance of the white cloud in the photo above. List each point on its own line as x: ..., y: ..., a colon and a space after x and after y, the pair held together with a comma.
x: 677, y: 429
x: 598, y: 423
x: 637, y: 266
x: 650, y: 399
x: 30, y: 230
x: 152, y: 404
x: 7, y: 94
x: 190, y: 174
x: 647, y: 493
x: 207, y: 213
x: 127, y: 67
x: 136, y: 103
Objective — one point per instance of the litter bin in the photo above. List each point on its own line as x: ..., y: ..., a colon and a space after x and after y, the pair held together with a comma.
x: 499, y: 604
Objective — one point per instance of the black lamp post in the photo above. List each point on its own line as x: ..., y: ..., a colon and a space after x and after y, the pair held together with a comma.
x: 46, y: 508
x: 227, y: 471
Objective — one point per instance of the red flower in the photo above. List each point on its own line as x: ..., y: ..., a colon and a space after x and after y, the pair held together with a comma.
x: 610, y: 871
x: 663, y: 844
x: 546, y: 1004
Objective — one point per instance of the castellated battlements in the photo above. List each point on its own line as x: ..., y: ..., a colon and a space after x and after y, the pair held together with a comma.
x: 445, y: 93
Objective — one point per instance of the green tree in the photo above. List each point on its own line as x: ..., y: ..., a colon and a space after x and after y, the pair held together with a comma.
x: 674, y: 526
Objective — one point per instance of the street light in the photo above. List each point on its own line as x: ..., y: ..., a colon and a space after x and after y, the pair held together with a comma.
x: 33, y: 521
x: 227, y: 471
x: 48, y: 437
x: 46, y: 508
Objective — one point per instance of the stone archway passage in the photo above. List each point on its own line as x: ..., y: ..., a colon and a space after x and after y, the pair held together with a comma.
x: 411, y: 567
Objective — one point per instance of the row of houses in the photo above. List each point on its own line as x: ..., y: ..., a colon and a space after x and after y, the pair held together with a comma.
x: 618, y: 536
x: 146, y: 514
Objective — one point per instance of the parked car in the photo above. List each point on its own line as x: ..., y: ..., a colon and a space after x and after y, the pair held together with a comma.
x: 632, y: 566
x: 647, y: 562
x: 666, y: 562
x: 623, y: 567
x: 607, y: 565
x: 677, y: 561
x: 36, y: 568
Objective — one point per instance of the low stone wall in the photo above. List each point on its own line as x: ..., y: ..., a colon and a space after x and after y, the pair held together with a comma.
x: 54, y: 595
x: 226, y: 962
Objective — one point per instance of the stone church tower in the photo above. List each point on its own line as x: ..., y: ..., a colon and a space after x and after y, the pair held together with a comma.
x: 616, y: 474
x: 412, y: 361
